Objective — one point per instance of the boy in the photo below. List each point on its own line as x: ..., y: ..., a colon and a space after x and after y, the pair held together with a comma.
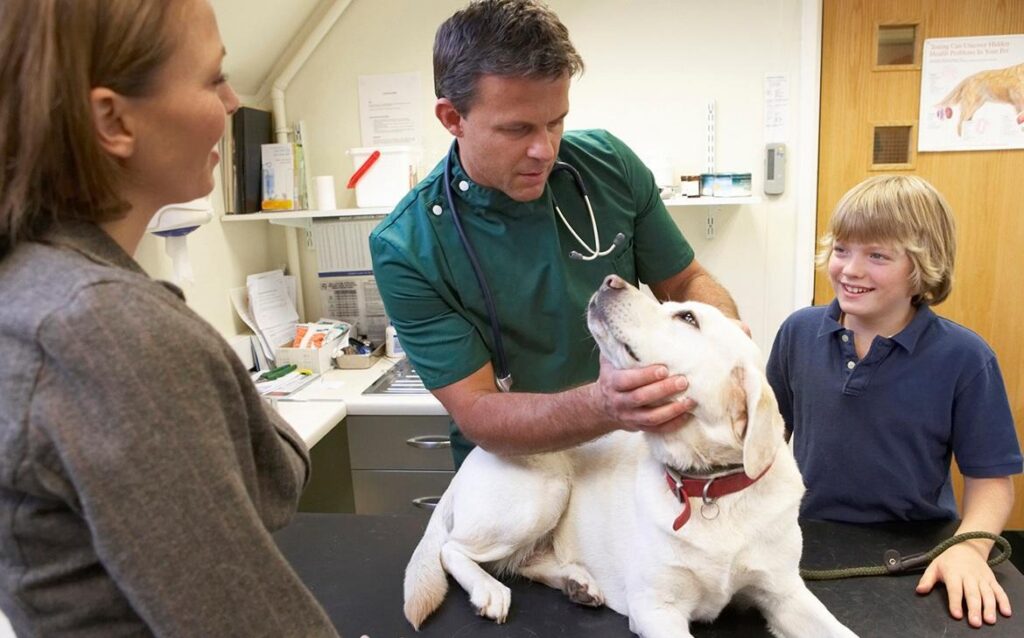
x: 878, y: 391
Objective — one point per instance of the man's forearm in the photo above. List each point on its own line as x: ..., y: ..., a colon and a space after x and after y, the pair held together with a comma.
x: 525, y: 423
x: 706, y: 289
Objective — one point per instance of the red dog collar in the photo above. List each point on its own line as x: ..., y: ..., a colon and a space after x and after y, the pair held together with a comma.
x: 709, y: 489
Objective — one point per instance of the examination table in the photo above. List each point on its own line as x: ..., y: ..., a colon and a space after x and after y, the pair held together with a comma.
x: 354, y: 565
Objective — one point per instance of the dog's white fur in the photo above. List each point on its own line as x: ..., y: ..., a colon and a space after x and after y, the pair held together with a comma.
x: 596, y: 521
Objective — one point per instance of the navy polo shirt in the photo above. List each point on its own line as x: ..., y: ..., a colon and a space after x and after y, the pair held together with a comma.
x: 873, y: 437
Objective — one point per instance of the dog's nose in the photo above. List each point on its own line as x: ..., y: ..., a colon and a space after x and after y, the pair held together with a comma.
x: 614, y: 281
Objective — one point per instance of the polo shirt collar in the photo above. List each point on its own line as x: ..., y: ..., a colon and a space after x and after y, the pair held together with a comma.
x: 907, y: 338
x: 492, y: 199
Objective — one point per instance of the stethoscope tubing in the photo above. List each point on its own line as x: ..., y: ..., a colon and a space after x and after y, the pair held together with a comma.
x: 503, y: 376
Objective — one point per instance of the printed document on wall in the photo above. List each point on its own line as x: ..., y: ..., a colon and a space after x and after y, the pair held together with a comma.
x: 390, y: 108
x: 353, y: 297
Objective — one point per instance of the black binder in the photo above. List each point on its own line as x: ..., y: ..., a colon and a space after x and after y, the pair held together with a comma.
x: 250, y: 128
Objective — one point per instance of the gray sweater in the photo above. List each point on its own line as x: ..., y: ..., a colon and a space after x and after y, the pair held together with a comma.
x: 141, y: 475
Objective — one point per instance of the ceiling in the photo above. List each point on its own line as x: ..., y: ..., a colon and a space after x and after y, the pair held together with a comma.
x: 256, y: 34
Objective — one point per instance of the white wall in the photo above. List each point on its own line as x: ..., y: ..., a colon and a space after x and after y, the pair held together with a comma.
x: 222, y: 254
x: 651, y: 67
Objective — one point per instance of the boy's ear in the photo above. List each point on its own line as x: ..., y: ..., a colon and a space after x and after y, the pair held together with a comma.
x: 109, y: 117
x: 449, y: 116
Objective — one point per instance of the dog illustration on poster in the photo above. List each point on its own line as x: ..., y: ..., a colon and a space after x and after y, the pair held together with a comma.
x: 1005, y: 86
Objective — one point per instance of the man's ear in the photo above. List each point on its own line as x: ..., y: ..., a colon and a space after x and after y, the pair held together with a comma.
x: 448, y: 116
x: 113, y: 131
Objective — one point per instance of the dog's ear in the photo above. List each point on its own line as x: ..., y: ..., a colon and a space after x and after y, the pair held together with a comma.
x: 759, y: 425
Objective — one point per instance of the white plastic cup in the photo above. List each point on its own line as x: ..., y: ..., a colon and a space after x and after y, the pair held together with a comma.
x: 325, y: 193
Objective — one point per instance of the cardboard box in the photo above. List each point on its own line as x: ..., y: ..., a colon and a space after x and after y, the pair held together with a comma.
x: 316, y: 359
x: 283, y: 177
x: 359, y: 361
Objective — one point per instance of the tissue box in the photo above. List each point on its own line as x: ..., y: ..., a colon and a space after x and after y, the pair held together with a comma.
x: 316, y: 359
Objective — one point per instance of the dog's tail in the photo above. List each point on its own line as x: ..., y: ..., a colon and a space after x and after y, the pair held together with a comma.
x: 425, y: 580
x: 953, y: 97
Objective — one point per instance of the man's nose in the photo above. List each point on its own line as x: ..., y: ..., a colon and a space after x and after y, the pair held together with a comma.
x: 542, y: 147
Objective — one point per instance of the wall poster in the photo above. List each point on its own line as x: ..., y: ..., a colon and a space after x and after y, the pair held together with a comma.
x: 972, y: 94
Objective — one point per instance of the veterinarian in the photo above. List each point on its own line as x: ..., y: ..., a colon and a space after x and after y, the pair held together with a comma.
x: 879, y: 391
x: 140, y: 474
x: 502, y: 70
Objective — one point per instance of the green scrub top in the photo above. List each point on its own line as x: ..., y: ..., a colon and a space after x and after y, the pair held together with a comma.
x: 432, y: 297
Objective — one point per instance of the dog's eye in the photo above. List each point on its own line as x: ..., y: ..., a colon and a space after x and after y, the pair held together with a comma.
x: 689, y: 318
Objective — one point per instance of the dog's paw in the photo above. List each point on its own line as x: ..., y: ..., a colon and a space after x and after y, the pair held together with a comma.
x: 584, y: 593
x: 492, y: 600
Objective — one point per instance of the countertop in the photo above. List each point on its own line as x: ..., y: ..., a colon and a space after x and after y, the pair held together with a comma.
x: 354, y: 565
x: 315, y: 409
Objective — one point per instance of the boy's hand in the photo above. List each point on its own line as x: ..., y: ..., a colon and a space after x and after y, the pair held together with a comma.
x: 967, y: 577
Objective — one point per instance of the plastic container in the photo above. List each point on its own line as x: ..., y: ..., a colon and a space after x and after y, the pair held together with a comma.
x: 391, y: 344
x: 388, y: 179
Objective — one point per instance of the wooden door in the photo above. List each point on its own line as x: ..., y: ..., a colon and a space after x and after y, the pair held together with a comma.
x: 859, y: 96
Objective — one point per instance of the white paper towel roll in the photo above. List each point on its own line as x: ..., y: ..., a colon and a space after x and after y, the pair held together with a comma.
x: 325, y: 193
x: 177, y: 250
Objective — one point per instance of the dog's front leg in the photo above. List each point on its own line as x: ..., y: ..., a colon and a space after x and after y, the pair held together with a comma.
x: 654, y: 617
x: 793, y: 611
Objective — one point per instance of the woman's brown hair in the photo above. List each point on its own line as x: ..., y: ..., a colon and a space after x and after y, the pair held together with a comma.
x: 54, y: 53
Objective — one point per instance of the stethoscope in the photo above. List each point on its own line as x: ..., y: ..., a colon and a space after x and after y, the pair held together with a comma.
x: 503, y: 376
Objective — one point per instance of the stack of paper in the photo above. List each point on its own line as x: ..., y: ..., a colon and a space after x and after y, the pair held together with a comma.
x: 267, y: 306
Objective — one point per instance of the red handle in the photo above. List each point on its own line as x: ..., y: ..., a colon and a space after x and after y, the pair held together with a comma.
x: 374, y: 156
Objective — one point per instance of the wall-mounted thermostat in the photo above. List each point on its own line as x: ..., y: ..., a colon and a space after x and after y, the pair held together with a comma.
x: 775, y: 169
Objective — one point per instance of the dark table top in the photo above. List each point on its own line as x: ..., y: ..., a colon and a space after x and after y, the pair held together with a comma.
x: 354, y: 565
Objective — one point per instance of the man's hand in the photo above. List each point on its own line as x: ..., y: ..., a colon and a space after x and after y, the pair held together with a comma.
x: 641, y: 399
x: 968, y: 577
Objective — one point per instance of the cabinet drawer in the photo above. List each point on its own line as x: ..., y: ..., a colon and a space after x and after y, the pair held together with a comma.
x: 399, y: 443
x: 393, y: 492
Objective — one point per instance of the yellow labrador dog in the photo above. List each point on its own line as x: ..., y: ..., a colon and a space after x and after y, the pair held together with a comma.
x: 665, y: 529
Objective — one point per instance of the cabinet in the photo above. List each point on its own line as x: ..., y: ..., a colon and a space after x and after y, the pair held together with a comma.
x: 400, y: 464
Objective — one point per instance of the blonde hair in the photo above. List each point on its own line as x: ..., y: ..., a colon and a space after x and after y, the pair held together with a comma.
x: 906, y: 212
x: 54, y: 53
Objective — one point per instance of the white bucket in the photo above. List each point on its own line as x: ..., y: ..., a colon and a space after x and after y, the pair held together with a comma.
x: 388, y: 179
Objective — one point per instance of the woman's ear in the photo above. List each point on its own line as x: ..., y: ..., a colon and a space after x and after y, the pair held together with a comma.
x: 448, y: 116
x: 113, y: 131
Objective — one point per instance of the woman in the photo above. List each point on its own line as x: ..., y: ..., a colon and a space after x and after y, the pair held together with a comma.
x: 140, y: 475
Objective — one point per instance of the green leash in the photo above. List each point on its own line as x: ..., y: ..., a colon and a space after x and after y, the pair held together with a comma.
x: 896, y: 564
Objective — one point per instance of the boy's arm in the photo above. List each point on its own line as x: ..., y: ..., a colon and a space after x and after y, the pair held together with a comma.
x: 963, y: 568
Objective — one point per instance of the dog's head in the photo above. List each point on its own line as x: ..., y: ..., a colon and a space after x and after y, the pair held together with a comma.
x: 736, y: 419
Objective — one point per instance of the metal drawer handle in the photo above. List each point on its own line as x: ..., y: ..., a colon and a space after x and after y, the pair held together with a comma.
x: 429, y: 442
x: 426, y: 502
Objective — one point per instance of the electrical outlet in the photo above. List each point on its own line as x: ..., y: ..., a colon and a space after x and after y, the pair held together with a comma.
x: 309, y: 240
x: 709, y: 225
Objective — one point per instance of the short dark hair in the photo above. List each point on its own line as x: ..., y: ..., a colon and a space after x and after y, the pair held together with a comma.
x: 54, y: 52
x: 516, y: 38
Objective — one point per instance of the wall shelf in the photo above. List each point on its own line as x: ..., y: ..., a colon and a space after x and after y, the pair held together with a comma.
x: 675, y: 202
x: 304, y: 218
